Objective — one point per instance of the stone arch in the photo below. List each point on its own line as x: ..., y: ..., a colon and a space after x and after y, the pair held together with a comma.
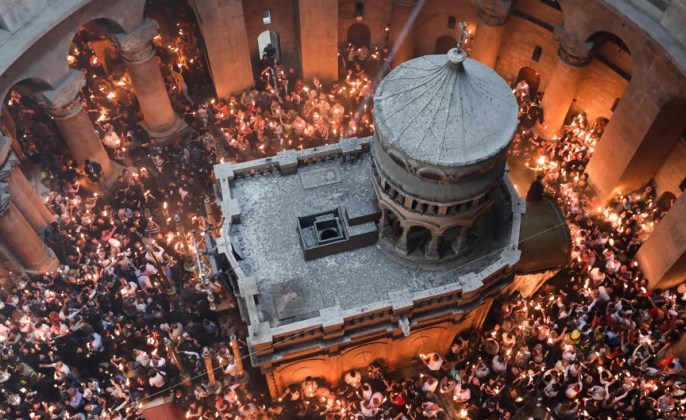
x: 295, y: 373
x: 444, y: 43
x: 418, y: 237
x: 612, y: 51
x: 266, y: 38
x: 359, y: 357
x: 532, y: 77
x: 431, y: 174
x: 359, y: 35
x: 99, y: 34
x: 398, y: 159
x: 39, y: 130
x: 169, y: 23
x: 43, y: 51
x: 422, y: 341
x: 451, y: 240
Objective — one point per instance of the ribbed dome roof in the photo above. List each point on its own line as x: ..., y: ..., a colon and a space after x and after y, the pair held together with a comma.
x: 446, y: 112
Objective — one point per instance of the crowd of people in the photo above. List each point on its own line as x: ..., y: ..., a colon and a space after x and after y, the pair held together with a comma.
x: 125, y: 317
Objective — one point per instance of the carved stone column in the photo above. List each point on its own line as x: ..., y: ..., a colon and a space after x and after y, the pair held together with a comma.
x: 403, y: 15
x: 431, y: 250
x: 402, y: 242
x: 24, y: 196
x: 22, y: 241
x: 458, y: 243
x: 662, y: 257
x: 65, y: 105
x: 492, y: 16
x: 573, y: 56
x: 138, y: 53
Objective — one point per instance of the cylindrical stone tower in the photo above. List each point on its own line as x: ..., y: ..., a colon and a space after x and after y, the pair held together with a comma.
x: 443, y: 127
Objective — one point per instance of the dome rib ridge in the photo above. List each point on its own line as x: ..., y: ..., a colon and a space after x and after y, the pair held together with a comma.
x: 445, y: 113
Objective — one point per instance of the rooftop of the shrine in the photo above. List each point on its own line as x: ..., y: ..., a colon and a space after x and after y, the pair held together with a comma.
x: 280, y: 209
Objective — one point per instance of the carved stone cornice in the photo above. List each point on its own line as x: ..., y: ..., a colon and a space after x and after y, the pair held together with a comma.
x: 65, y: 100
x: 137, y: 46
x: 493, y: 12
x: 572, y: 51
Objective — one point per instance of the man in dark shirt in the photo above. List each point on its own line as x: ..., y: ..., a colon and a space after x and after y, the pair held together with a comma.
x: 93, y: 170
x: 535, y: 192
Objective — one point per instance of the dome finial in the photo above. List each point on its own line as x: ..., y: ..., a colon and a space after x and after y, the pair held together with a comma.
x: 458, y: 55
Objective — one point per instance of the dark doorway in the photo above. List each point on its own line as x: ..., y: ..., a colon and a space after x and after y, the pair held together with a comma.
x: 359, y: 35
x: 531, y: 77
x: 264, y: 40
x: 444, y: 44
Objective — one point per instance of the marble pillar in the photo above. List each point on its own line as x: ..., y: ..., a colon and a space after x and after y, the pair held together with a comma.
x: 662, y: 257
x: 573, y: 56
x: 65, y: 105
x: 22, y: 241
x: 403, y: 15
x: 402, y: 244
x: 492, y: 16
x: 222, y: 23
x: 24, y: 196
x: 138, y: 53
x: 318, y: 23
x: 431, y: 249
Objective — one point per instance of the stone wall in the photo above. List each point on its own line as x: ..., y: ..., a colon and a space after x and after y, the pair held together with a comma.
x: 377, y: 15
x: 599, y: 88
x: 521, y: 39
x: 283, y: 23
x: 673, y: 171
x: 432, y: 23
x: 392, y: 350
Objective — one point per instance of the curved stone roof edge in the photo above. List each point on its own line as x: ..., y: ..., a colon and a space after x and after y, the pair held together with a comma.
x: 464, y: 78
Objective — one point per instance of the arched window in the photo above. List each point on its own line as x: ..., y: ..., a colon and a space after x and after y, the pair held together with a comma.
x: 395, y: 158
x: 452, y: 22
x: 536, y: 56
x: 430, y: 174
x: 266, y: 17
x: 359, y: 11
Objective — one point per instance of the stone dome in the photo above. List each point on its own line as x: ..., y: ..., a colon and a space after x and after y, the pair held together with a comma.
x: 445, y: 110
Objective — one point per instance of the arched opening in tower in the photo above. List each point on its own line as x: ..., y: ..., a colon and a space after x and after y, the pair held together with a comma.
x: 444, y: 44
x: 108, y: 94
x: 359, y: 35
x: 269, y: 48
x: 27, y: 124
x: 182, y: 44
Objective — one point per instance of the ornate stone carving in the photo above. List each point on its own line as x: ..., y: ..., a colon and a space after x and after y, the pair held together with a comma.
x: 65, y: 100
x: 68, y: 110
x: 493, y: 12
x: 136, y: 46
x: 572, y: 51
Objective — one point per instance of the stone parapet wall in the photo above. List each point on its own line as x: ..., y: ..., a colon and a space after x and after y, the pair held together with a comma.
x: 334, y: 329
